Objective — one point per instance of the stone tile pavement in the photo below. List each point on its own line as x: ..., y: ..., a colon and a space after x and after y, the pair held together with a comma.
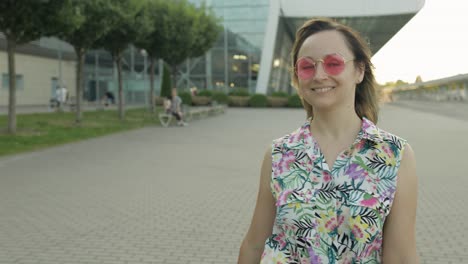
x: 186, y: 194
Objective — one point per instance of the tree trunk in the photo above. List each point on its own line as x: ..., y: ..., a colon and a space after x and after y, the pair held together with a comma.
x: 118, y: 61
x: 80, y: 52
x: 11, y: 46
x: 151, y: 95
x: 174, y: 76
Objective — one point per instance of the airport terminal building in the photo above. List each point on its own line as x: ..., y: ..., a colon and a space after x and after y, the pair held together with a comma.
x: 251, y: 52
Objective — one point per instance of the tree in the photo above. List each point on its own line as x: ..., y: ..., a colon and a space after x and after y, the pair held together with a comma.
x: 127, y: 23
x: 400, y: 83
x: 166, y: 83
x: 179, y: 23
x: 418, y: 79
x: 200, y: 30
x: 93, y: 24
x: 206, y: 29
x: 153, y: 38
x: 24, y: 21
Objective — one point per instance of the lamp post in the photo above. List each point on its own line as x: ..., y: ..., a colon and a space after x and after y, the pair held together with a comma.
x: 144, y: 53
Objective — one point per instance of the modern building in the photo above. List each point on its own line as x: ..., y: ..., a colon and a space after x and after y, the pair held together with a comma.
x: 259, y: 34
x: 252, y: 52
x: 40, y: 66
x: 454, y: 88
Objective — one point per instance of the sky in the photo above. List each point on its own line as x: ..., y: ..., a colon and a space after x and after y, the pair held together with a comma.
x: 433, y: 44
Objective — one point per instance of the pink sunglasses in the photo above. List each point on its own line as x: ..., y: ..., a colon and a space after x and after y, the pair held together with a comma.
x: 333, y: 64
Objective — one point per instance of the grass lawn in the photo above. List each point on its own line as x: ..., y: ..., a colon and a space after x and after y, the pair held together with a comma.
x: 41, y: 130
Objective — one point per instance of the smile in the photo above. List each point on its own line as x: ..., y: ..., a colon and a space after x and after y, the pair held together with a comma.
x: 322, y: 89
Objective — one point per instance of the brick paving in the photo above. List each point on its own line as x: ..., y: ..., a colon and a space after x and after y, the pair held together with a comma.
x: 186, y: 194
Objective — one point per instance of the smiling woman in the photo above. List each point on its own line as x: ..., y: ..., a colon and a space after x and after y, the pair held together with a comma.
x: 328, y: 190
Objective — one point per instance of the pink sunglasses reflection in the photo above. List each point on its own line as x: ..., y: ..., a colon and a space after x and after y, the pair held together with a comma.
x: 333, y: 64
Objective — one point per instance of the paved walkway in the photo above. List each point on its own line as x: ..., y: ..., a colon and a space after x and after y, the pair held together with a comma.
x: 186, y: 194
x: 452, y: 109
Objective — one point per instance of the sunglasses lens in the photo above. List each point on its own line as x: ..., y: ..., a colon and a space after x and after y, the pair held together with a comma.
x: 333, y: 64
x: 305, y: 68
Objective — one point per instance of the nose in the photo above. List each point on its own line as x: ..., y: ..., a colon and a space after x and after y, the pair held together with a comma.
x: 320, y: 73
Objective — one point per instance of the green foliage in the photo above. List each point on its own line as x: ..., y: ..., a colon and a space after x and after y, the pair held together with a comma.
x: 206, y: 28
x: 166, y: 82
x: 258, y: 100
x: 238, y: 101
x: 94, y: 23
x: 220, y: 97
x: 239, y: 92
x: 277, y: 101
x: 178, y: 33
x: 294, y: 101
x: 186, y: 98
x: 26, y: 20
x: 200, y: 31
x: 153, y: 37
x: 208, y: 93
x: 125, y: 25
x: 279, y: 94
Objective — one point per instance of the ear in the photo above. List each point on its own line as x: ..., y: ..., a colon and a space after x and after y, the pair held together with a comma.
x: 360, y: 70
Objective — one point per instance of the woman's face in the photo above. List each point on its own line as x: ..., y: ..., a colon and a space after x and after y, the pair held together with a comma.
x: 329, y: 86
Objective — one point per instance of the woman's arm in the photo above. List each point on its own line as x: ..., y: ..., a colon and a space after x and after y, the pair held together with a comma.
x: 262, y: 220
x: 399, y: 238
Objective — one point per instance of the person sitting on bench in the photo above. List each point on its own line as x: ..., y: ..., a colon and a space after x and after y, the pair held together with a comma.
x: 176, y: 108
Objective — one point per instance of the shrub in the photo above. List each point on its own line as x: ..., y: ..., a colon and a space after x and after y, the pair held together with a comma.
x: 258, y: 100
x: 208, y: 93
x: 220, y: 97
x: 239, y: 92
x: 186, y: 98
x: 294, y: 101
x: 166, y: 83
x: 239, y: 101
x: 201, y: 100
x: 277, y: 101
x: 279, y: 94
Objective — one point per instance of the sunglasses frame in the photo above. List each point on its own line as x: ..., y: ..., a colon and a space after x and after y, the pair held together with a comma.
x: 316, y: 62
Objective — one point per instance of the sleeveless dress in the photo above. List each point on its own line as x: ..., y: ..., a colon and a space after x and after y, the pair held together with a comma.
x: 332, y: 215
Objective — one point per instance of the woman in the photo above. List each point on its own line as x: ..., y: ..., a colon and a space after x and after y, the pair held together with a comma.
x: 328, y: 191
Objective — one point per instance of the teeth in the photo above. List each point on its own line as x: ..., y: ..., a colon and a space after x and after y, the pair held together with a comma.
x: 322, y: 90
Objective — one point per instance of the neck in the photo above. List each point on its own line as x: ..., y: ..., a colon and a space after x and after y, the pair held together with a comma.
x: 336, y: 124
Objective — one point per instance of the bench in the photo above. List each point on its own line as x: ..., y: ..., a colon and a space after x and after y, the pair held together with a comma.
x: 166, y: 118
x: 72, y: 103
x: 217, y: 108
x: 191, y: 113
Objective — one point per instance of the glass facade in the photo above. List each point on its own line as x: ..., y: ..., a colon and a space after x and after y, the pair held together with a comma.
x: 234, y: 60
x: 100, y: 75
x: 280, y: 69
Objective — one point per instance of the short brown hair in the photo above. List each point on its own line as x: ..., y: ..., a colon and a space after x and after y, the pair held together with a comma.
x: 366, y: 100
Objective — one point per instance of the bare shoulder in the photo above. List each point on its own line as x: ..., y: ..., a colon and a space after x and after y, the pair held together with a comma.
x: 399, y: 243
x: 407, y: 171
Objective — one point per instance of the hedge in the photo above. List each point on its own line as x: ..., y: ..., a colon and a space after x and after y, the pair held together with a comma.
x: 294, y: 101
x: 258, y: 100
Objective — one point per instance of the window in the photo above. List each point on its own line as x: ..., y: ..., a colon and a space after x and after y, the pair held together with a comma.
x: 6, y: 81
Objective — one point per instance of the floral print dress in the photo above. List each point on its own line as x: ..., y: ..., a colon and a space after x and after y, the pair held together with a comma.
x: 332, y: 215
